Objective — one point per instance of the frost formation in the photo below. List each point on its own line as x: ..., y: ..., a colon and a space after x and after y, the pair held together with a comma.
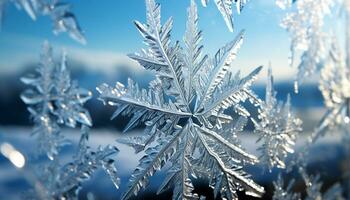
x: 62, y: 18
x: 305, y: 23
x: 284, y: 193
x: 184, y: 112
x: 55, y: 101
x: 278, y: 128
x: 313, y: 189
x: 334, y: 85
x: 225, y: 8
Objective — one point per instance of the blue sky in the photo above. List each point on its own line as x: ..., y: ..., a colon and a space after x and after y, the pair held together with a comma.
x: 111, y: 34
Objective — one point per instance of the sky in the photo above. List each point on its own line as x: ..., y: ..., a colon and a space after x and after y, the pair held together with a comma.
x: 111, y: 34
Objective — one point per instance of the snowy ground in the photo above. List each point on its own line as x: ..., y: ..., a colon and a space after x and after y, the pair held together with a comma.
x: 13, y: 183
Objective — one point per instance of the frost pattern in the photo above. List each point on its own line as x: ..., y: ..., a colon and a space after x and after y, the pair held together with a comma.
x: 54, y: 100
x: 62, y: 18
x: 183, y: 111
x: 225, y: 8
x: 305, y: 26
x: 313, y: 189
x: 334, y: 85
x: 284, y: 193
x: 278, y: 128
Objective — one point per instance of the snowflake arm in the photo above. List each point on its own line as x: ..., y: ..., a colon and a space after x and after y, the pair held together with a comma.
x: 334, y: 87
x: 153, y: 161
x: 225, y: 8
x: 282, y: 193
x: 70, y: 98
x: 178, y: 175
x: 314, y: 186
x: 38, y: 98
x: 158, y: 39
x: 143, y: 105
x: 192, y: 55
x: 313, y: 189
x: 222, y: 62
x: 278, y: 128
x: 63, y: 19
x: 27, y: 6
x: 235, y: 90
x: 305, y: 25
x: 234, y: 177
x: 240, y: 154
x: 71, y: 176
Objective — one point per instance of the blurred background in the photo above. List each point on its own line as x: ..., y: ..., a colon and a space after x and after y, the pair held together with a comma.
x: 110, y: 33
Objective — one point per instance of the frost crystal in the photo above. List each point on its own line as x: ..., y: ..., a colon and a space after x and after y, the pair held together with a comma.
x: 63, y: 19
x: 183, y: 111
x: 335, y: 87
x: 278, y: 128
x: 313, y: 187
x: 305, y: 25
x: 282, y: 193
x: 53, y: 101
x: 225, y: 8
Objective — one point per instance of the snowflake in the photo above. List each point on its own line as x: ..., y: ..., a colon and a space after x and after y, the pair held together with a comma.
x: 63, y: 19
x: 53, y: 101
x: 305, y: 25
x: 183, y: 111
x: 278, y: 128
x: 225, y: 8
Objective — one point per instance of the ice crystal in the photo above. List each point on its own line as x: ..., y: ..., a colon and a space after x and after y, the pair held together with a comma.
x: 282, y: 193
x: 54, y: 100
x: 225, y: 8
x: 183, y: 111
x: 305, y: 25
x: 278, y: 128
x: 313, y: 187
x: 63, y: 181
x: 335, y: 88
x: 62, y: 18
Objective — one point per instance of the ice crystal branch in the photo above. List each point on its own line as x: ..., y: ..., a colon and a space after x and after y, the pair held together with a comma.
x: 278, y: 128
x: 313, y: 189
x: 62, y: 18
x: 282, y: 192
x: 305, y: 25
x: 225, y: 8
x: 54, y: 100
x: 184, y: 111
x: 334, y: 86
